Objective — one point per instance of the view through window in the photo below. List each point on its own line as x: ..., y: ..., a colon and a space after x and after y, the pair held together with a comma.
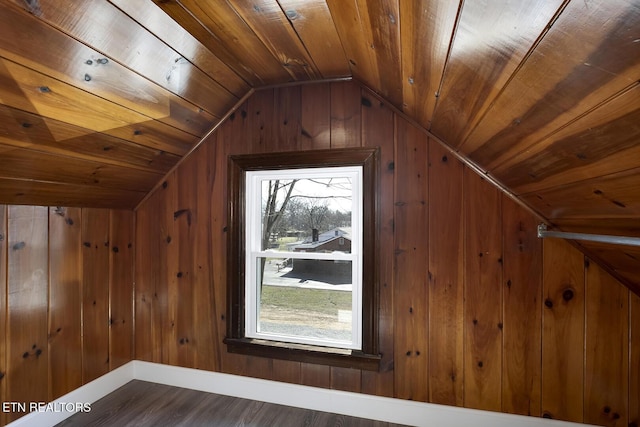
x: 304, y: 256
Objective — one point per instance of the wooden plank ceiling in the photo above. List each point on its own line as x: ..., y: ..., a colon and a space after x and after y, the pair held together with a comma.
x: 99, y: 99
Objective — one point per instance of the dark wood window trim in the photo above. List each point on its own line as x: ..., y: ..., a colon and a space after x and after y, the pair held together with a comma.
x: 236, y: 341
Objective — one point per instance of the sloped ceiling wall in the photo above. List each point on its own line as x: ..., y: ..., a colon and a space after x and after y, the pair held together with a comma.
x: 100, y: 99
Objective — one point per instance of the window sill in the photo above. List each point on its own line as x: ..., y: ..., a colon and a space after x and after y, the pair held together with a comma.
x: 342, y: 358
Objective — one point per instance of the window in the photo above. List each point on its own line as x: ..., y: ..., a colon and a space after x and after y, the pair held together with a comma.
x: 302, y: 250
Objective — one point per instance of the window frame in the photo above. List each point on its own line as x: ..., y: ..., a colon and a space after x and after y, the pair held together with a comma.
x: 236, y: 341
x: 254, y: 251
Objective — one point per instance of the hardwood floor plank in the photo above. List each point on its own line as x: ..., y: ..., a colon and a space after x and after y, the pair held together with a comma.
x: 141, y: 403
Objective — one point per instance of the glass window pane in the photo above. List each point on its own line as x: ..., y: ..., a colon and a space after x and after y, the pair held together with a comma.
x: 307, y: 214
x: 310, y: 299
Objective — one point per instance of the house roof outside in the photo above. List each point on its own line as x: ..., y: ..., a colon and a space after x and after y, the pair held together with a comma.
x: 323, y: 238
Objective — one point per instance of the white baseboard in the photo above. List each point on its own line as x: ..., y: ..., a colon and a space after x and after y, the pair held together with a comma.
x: 353, y: 404
x: 88, y: 393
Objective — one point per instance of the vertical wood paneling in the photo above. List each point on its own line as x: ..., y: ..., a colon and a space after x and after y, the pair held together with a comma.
x: 27, y: 267
x: 53, y: 337
x: 65, y: 300
x: 606, y: 390
x: 207, y: 343
x: 440, y: 222
x: 167, y: 290
x: 378, y: 131
x: 3, y: 310
x: 482, y: 294
x: 315, y: 116
x: 634, y: 361
x: 287, y: 118
x: 121, y: 288
x: 411, y: 288
x: 563, y: 331
x: 346, y: 379
x: 446, y: 276
x: 95, y: 293
x: 148, y: 245
x: 345, y: 115
x: 259, y: 130
x: 522, y: 280
x: 185, y: 222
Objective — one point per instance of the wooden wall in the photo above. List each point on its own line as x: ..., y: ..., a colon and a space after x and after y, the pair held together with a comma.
x: 476, y: 311
x: 66, y: 295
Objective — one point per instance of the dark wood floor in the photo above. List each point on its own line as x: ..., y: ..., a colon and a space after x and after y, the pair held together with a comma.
x: 141, y: 403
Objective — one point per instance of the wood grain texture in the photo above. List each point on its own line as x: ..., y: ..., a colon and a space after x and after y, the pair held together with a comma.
x: 172, y: 34
x: 615, y: 196
x: 446, y: 277
x: 607, y: 348
x: 357, y: 41
x: 345, y: 115
x: 411, y: 260
x: 315, y: 117
x: 482, y: 294
x: 43, y: 345
x: 148, y: 56
x: 267, y: 20
x: 54, y: 53
x: 65, y: 300
x: 95, y: 293
x: 563, y: 329
x: 221, y: 19
x: 149, y: 240
x: 426, y: 26
x: 416, y: 200
x: 589, y: 52
x: 205, y: 315
x: 624, y: 260
x: 37, y: 93
x: 490, y: 41
x: 585, y: 148
x: 522, y: 311
x: 121, y: 266
x: 314, y: 25
x: 27, y: 301
x: 19, y: 164
x: 27, y: 130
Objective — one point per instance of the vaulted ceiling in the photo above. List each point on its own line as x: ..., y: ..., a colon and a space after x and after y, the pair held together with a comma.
x: 99, y: 99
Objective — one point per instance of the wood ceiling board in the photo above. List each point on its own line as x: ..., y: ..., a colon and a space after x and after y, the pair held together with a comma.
x: 28, y: 90
x: 19, y: 192
x: 312, y: 22
x: 157, y: 22
x: 55, y: 54
x: 587, y: 56
x: 189, y: 22
x: 600, y: 143
x: 19, y: 163
x: 490, y: 42
x: 426, y: 31
x: 622, y: 261
x: 615, y: 196
x: 370, y: 34
x: 105, y: 28
x: 21, y: 129
x: 357, y: 40
x: 271, y: 26
x: 238, y: 38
